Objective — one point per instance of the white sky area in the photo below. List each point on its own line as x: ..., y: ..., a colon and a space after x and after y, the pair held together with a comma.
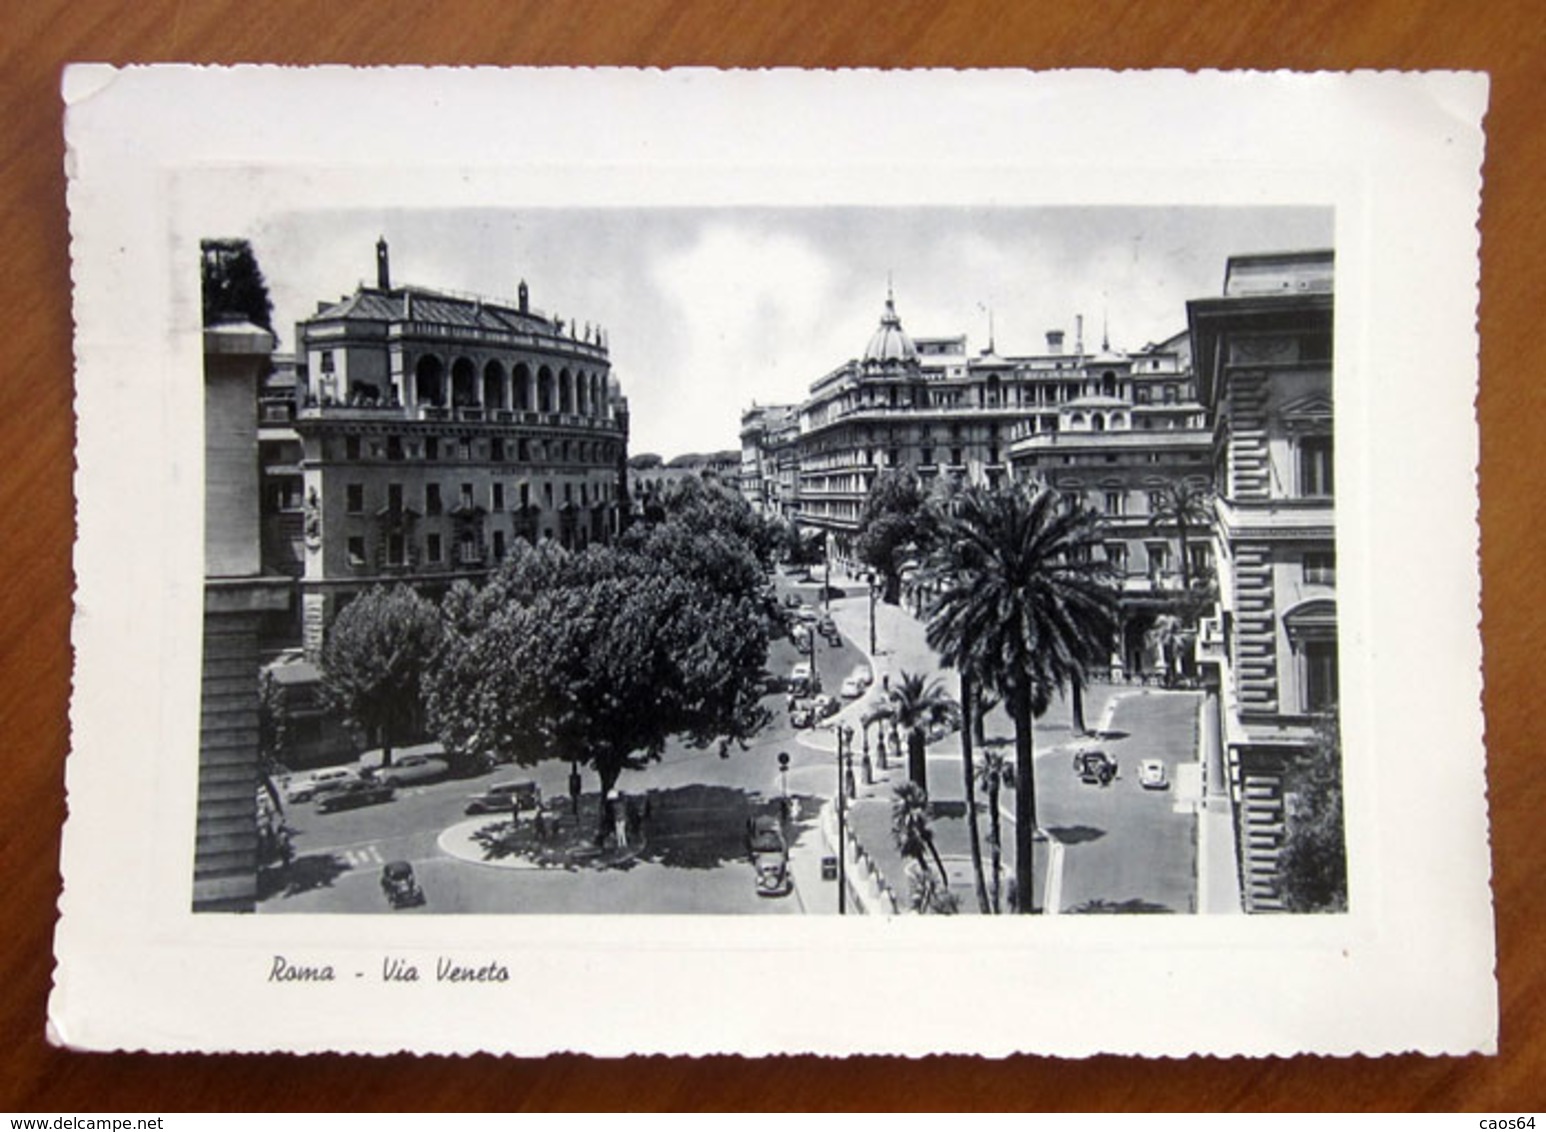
x: 709, y: 310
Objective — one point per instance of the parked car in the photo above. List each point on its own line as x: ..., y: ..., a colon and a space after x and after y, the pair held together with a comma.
x: 770, y: 856
x: 1095, y: 767
x: 863, y: 675
x: 825, y: 706
x: 1152, y: 775
x: 307, y: 788
x: 851, y: 689
x: 356, y: 792
x: 826, y: 626
x: 792, y: 601
x: 801, y: 715
x: 411, y: 768
x: 801, y: 636
x: 506, y: 797
x: 400, y: 886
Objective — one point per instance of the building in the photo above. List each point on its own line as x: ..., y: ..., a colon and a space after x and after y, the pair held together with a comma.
x: 239, y: 595
x: 769, y: 459
x: 1269, y: 655
x: 1115, y: 429
x: 1127, y: 430
x: 649, y: 477
x: 432, y: 430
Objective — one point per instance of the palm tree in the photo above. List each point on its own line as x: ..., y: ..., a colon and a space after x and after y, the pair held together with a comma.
x: 917, y: 703
x: 1186, y: 506
x: 911, y: 830
x: 970, y: 720
x: 1022, y: 603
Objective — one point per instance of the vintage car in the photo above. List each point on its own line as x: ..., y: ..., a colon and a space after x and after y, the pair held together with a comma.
x: 411, y: 768
x: 355, y: 792
x: 1152, y: 775
x: 1095, y: 767
x: 506, y: 797
x: 769, y: 855
x: 306, y: 788
x: 400, y: 886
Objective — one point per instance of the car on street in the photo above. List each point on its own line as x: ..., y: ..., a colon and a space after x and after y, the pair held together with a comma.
x: 825, y: 706
x: 862, y: 675
x: 769, y: 855
x: 792, y: 601
x: 400, y: 886
x: 353, y: 793
x: 826, y: 626
x: 1152, y: 775
x: 851, y: 689
x: 801, y: 715
x: 308, y: 787
x: 411, y: 768
x: 506, y: 797
x: 801, y: 636
x: 1095, y: 767
x: 800, y: 678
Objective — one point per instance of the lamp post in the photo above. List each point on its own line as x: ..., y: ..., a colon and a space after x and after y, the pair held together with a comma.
x: 845, y: 736
x: 842, y: 843
x: 826, y: 572
x: 783, y: 784
x: 871, y: 579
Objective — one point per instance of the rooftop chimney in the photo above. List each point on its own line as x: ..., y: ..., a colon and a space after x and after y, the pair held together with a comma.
x: 1079, y: 334
x: 383, y: 269
x: 1054, y: 341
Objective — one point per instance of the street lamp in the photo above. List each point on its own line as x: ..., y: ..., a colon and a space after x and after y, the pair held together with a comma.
x: 842, y: 845
x: 870, y: 578
x: 783, y: 783
x: 845, y: 737
x: 826, y: 572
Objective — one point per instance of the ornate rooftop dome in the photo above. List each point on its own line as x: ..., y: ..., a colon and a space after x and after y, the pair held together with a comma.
x: 890, y: 344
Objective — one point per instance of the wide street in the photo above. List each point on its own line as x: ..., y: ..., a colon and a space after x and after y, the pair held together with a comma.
x: 1118, y: 847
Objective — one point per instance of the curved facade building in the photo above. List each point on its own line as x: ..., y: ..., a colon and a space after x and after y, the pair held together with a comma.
x: 435, y: 429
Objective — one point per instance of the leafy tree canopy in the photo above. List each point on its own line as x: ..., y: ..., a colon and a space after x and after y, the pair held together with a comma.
x: 374, y: 660
x: 233, y: 284
x: 1312, y: 866
x: 895, y: 524
x: 605, y: 655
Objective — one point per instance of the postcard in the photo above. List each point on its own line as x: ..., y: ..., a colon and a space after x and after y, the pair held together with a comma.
x: 784, y: 562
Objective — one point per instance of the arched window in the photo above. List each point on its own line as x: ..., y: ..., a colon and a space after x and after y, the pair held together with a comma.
x: 1312, y: 635
x: 565, y: 392
x: 463, y: 384
x: 524, y: 394
x: 494, y: 386
x: 429, y: 381
x: 545, y: 391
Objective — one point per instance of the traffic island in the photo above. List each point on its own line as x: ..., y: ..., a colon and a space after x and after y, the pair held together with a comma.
x: 544, y: 839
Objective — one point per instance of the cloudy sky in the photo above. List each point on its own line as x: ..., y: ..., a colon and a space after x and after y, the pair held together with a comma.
x: 709, y: 310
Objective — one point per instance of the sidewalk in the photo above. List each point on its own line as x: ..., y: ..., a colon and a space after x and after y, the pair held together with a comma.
x: 902, y: 646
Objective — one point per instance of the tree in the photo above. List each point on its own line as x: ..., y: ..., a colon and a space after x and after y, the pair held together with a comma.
x: 233, y: 284
x: 895, y: 524
x: 913, y: 833
x: 970, y: 723
x: 273, y: 732
x: 1187, y: 506
x: 917, y: 704
x: 1023, y: 603
x: 601, y: 657
x: 374, y: 662
x: 1170, y: 640
x: 1312, y: 865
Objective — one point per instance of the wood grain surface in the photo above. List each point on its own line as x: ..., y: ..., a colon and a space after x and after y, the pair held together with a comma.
x: 1506, y: 39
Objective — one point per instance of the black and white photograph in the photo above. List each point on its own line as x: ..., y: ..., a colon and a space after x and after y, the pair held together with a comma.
x: 724, y: 563
x: 1003, y: 551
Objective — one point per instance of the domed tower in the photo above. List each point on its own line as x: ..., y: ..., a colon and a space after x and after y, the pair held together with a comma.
x: 890, y: 348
